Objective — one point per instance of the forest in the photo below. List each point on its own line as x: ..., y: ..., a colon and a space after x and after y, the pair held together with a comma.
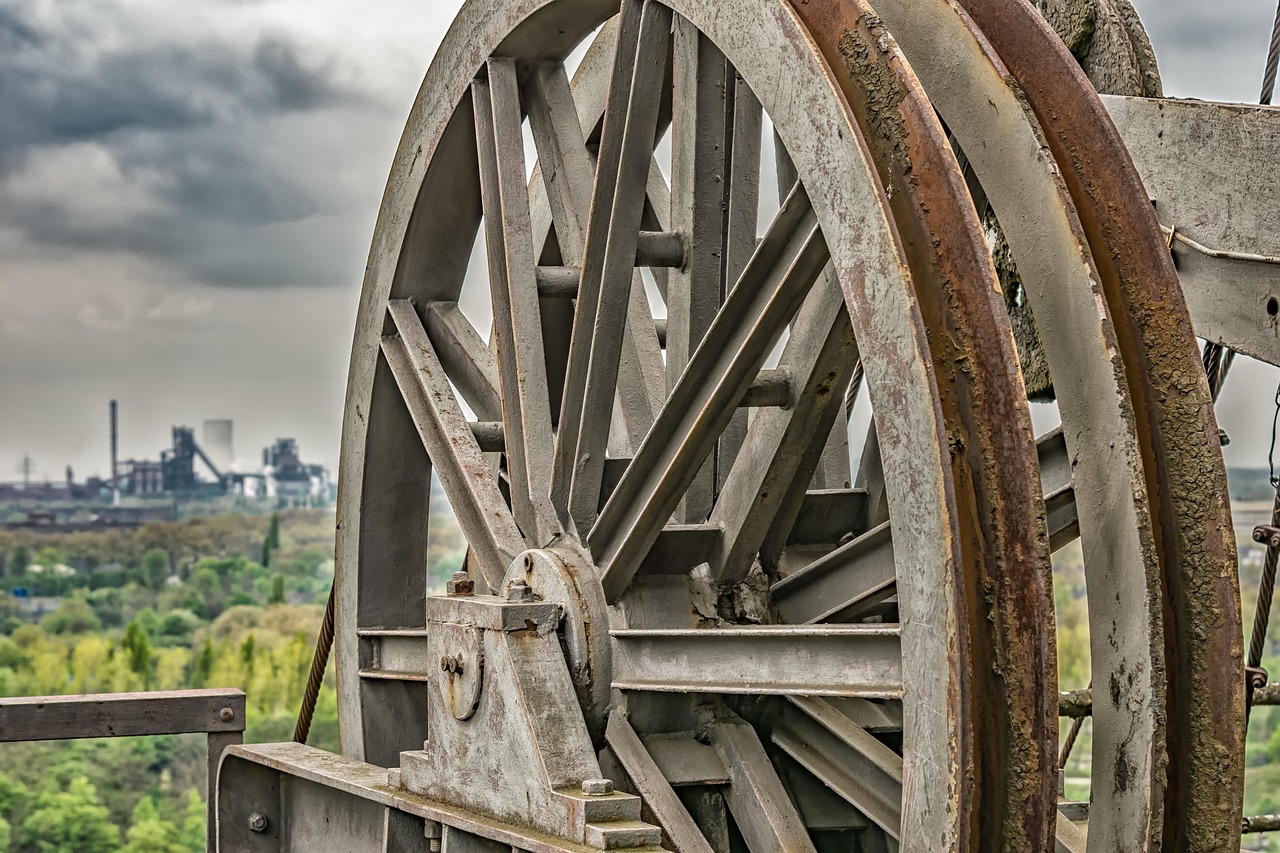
x: 235, y: 601
x: 213, y: 601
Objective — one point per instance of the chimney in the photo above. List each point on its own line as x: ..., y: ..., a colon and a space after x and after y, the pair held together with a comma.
x: 114, y: 469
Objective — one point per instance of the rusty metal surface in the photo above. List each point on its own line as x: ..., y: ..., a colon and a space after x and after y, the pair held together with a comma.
x: 1003, y: 582
x: 1097, y: 447
x: 1182, y: 459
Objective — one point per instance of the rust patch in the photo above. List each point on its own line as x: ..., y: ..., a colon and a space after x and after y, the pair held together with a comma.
x: 1186, y: 480
x: 1002, y: 585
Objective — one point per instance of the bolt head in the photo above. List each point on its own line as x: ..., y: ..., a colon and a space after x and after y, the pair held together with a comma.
x: 597, y: 787
x: 518, y: 590
x: 460, y: 584
x: 1260, y: 534
x: 258, y: 822
x: 227, y: 715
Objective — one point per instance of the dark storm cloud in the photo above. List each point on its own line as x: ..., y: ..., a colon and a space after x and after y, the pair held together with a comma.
x: 209, y: 136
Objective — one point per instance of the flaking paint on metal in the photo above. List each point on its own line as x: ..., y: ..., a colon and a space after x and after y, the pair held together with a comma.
x: 1004, y: 587
x: 1182, y: 460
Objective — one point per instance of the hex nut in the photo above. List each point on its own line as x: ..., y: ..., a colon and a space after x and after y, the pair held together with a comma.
x: 460, y: 584
x: 518, y: 590
x: 258, y: 822
x: 597, y: 787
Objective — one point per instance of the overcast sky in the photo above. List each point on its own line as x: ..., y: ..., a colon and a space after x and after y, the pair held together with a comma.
x: 187, y: 193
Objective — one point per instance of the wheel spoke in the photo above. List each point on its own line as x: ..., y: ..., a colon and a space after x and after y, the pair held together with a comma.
x: 860, y: 574
x: 768, y: 294
x: 856, y: 575
x: 742, y: 204
x: 845, y: 757
x: 778, y: 660
x: 700, y: 136
x: 780, y: 449
x: 653, y: 787
x: 617, y: 205
x: 487, y: 523
x: 760, y: 805
x: 517, y: 319
x: 466, y: 358
x: 567, y: 175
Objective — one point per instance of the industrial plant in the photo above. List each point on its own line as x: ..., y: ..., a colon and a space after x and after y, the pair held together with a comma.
x: 140, y: 490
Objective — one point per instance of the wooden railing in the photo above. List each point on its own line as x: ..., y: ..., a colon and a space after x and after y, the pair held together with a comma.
x: 216, y: 713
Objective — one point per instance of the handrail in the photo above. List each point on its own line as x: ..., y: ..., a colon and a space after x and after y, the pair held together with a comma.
x: 219, y: 714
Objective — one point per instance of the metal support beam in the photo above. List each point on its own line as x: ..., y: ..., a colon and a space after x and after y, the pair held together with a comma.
x: 827, y: 660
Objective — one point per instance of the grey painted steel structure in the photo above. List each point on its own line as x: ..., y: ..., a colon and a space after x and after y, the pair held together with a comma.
x: 643, y: 498
x: 1092, y: 392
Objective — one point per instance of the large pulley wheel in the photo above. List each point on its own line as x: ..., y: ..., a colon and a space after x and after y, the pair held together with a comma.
x: 869, y: 660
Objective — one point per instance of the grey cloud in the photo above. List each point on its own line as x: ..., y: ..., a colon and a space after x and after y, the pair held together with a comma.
x: 217, y: 132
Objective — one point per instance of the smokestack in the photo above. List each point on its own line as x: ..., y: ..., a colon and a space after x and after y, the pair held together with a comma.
x: 114, y: 468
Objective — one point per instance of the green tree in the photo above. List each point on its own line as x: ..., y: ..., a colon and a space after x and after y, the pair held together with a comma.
x: 204, y: 665
x: 247, y: 651
x: 206, y: 580
x: 6, y: 834
x: 193, y: 822
x: 19, y: 560
x: 266, y: 552
x: 155, y: 567
x: 277, y: 589
x: 138, y: 645
x: 149, y: 833
x: 273, y: 533
x: 70, y: 821
x: 74, y: 616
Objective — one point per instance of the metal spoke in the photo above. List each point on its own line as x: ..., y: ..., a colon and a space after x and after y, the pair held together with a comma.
x: 779, y: 660
x: 466, y: 358
x: 768, y: 294
x: 700, y: 133
x: 860, y: 574
x: 488, y: 525
x: 742, y: 202
x: 760, y: 805
x: 653, y: 787
x: 517, y: 319
x: 779, y: 448
x: 845, y: 757
x: 617, y: 205
x: 567, y: 172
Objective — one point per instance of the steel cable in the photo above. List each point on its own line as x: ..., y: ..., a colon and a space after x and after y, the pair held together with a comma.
x: 319, y: 662
x: 1273, y: 62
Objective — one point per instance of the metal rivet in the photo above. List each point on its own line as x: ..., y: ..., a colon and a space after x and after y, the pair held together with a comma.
x: 258, y: 822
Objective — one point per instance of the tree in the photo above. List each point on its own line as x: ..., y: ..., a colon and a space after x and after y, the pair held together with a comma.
x: 149, y: 833
x: 138, y: 645
x: 74, y: 616
x: 204, y: 665
x: 193, y: 822
x: 266, y: 552
x: 155, y: 567
x: 277, y: 589
x: 19, y: 560
x: 273, y: 533
x: 69, y: 820
x: 247, y: 651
